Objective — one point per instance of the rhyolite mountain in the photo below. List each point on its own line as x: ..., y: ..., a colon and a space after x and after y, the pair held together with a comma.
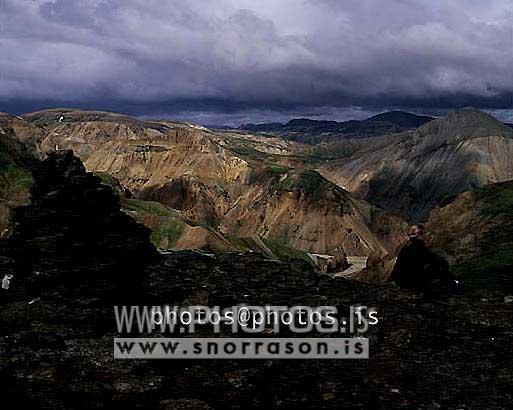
x: 227, y: 180
x: 318, y: 131
x: 20, y: 156
x: 409, y: 174
x: 243, y: 184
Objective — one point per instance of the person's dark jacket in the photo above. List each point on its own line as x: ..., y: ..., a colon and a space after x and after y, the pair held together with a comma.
x: 417, y: 267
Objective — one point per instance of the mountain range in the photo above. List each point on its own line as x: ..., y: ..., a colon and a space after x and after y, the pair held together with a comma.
x: 317, y: 131
x: 226, y: 181
x: 232, y: 190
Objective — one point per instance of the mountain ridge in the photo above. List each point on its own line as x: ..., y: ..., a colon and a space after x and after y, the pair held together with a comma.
x: 415, y: 172
x: 317, y: 131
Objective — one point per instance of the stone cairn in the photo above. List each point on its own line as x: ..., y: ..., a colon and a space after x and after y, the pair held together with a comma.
x: 74, y: 234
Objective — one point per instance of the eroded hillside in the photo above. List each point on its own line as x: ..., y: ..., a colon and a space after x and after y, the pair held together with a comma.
x: 475, y: 233
x: 409, y: 174
x: 227, y: 180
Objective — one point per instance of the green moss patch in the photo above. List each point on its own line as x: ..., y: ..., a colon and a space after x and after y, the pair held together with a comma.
x: 13, y: 177
x: 496, y: 199
x: 165, y: 223
x: 286, y: 253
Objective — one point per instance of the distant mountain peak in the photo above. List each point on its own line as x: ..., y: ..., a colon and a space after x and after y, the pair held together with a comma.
x: 471, y: 113
x: 465, y: 123
x: 402, y: 118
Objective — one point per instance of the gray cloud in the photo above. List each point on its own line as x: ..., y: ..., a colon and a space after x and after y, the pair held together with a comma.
x: 230, y: 57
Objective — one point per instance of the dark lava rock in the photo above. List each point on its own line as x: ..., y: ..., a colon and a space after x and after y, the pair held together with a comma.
x: 451, y: 354
x: 73, y: 232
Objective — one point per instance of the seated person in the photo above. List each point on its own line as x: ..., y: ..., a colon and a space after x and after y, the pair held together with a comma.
x: 417, y: 268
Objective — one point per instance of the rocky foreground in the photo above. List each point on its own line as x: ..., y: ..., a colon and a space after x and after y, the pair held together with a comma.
x: 57, y: 322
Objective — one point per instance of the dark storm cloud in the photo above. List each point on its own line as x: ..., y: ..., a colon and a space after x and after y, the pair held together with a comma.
x: 227, y: 57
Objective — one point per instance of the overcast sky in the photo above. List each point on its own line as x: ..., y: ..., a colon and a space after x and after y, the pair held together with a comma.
x: 236, y: 61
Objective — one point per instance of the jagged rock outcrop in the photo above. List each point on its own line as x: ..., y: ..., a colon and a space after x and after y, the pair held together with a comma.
x: 73, y: 230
